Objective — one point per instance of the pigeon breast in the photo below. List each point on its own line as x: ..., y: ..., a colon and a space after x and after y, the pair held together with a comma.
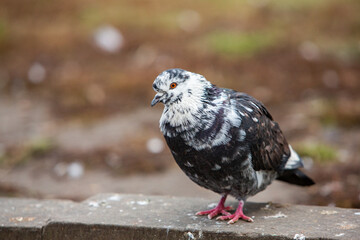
x: 214, y: 146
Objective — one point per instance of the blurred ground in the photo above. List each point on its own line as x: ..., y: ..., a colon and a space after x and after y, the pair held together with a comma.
x: 75, y: 85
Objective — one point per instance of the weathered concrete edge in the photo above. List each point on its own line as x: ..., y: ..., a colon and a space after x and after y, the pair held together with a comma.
x: 26, y: 233
x: 52, y: 230
x: 69, y: 220
x: 55, y: 230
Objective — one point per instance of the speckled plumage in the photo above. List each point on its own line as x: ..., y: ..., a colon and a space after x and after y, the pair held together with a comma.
x: 223, y: 140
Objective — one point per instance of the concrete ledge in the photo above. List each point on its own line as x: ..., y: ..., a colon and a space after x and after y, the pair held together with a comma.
x: 113, y: 216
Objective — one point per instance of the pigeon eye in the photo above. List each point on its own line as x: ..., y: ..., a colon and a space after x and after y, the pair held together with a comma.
x: 173, y: 85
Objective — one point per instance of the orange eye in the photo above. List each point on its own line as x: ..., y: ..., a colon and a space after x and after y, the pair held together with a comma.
x: 173, y: 85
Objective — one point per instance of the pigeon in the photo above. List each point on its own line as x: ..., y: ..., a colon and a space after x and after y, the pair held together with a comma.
x: 223, y: 140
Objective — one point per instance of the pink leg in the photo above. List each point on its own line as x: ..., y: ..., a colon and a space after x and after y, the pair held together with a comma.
x: 237, y: 215
x: 219, y: 209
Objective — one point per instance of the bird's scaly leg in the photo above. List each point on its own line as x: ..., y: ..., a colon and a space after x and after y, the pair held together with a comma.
x: 219, y: 209
x: 239, y: 214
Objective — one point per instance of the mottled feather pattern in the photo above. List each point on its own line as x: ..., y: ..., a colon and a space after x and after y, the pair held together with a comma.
x: 223, y: 140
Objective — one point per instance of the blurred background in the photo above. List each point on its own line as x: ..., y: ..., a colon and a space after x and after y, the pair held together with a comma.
x: 76, y: 77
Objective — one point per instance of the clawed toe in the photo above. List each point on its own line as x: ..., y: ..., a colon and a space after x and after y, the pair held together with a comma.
x: 234, y: 218
x: 214, y: 212
x: 221, y: 209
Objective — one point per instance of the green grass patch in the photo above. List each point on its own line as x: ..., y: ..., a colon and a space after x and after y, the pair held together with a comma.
x: 319, y: 152
x: 3, y: 31
x: 21, y: 154
x: 240, y: 44
x: 39, y: 147
x: 296, y: 5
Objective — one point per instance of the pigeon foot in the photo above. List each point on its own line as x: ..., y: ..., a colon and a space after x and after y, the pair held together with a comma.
x: 219, y: 209
x: 215, y: 211
x: 235, y: 217
x: 239, y: 214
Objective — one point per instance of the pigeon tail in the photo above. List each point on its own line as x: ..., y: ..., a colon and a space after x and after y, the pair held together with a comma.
x: 295, y: 176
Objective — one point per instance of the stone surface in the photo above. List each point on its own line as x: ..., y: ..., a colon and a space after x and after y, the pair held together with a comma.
x: 113, y: 216
x: 24, y: 218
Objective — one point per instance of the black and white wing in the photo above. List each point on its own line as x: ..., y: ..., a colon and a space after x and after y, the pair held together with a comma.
x: 268, y: 146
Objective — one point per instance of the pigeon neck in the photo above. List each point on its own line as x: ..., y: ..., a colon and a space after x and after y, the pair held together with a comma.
x: 189, y: 116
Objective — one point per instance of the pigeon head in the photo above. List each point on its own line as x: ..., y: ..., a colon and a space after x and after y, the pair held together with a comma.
x: 173, y: 86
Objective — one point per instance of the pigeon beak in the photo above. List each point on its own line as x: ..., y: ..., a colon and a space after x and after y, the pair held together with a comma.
x: 156, y: 99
